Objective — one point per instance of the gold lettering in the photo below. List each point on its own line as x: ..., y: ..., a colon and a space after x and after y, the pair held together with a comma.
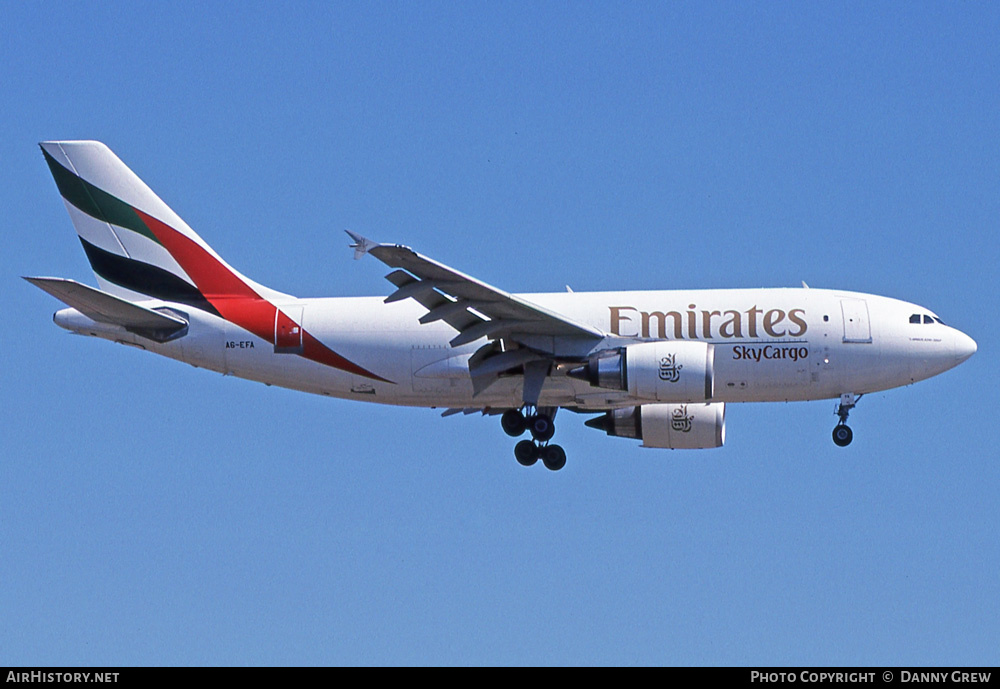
x: 653, y: 324
x: 617, y: 318
x: 661, y: 320
x: 799, y: 321
x: 706, y: 322
x: 771, y: 320
x: 752, y: 320
x: 732, y: 327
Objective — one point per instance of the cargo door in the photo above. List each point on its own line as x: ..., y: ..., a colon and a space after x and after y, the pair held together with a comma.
x: 856, y: 325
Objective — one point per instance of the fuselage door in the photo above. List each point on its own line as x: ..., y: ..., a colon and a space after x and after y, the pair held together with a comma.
x: 288, y: 330
x: 856, y: 325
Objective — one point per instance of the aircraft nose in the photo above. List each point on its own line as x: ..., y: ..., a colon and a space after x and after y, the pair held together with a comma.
x: 965, y: 347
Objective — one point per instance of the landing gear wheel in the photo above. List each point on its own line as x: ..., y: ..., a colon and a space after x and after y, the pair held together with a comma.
x: 842, y: 435
x: 541, y: 427
x: 513, y: 423
x: 526, y: 453
x: 553, y: 457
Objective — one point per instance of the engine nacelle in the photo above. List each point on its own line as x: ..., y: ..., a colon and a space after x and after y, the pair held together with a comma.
x: 674, y: 426
x: 663, y: 371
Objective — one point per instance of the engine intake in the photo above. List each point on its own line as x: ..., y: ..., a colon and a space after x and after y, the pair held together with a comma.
x: 673, y: 426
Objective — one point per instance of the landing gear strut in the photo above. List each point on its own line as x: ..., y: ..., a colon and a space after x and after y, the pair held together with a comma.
x: 842, y: 433
x: 539, y: 422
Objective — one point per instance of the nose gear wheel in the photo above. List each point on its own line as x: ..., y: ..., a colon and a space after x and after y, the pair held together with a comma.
x: 842, y: 433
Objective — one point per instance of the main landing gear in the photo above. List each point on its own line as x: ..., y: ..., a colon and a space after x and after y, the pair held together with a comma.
x: 842, y: 433
x: 540, y: 424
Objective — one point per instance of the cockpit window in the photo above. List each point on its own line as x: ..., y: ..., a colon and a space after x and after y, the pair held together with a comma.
x: 918, y: 318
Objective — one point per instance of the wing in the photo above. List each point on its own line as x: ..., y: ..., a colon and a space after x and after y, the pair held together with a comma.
x: 533, y: 336
x: 472, y: 307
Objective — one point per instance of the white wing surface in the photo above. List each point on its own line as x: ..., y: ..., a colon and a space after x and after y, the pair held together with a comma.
x: 474, y: 308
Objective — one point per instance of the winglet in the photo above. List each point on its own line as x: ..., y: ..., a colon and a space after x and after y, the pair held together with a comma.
x: 362, y: 245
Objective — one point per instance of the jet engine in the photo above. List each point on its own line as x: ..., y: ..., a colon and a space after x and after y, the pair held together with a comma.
x: 673, y: 426
x: 663, y: 371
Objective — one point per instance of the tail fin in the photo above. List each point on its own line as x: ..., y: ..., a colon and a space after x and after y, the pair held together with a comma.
x: 137, y: 246
x: 140, y: 250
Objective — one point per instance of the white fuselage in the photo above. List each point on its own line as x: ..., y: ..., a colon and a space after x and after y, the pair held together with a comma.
x: 770, y: 345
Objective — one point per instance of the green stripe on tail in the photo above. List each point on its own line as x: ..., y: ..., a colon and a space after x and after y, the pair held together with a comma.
x: 95, y: 202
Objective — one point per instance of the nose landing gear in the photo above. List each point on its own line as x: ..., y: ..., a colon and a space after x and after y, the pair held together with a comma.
x: 842, y: 433
x: 540, y: 424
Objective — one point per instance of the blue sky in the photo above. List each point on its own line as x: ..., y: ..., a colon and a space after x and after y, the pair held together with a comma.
x: 152, y: 513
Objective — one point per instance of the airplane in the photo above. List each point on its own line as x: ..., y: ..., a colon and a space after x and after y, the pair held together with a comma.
x: 654, y: 366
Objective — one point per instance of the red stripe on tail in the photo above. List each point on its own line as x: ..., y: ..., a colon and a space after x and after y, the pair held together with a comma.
x: 235, y: 300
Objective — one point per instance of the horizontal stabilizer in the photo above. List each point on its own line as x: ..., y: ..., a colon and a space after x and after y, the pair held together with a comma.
x: 107, y: 308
